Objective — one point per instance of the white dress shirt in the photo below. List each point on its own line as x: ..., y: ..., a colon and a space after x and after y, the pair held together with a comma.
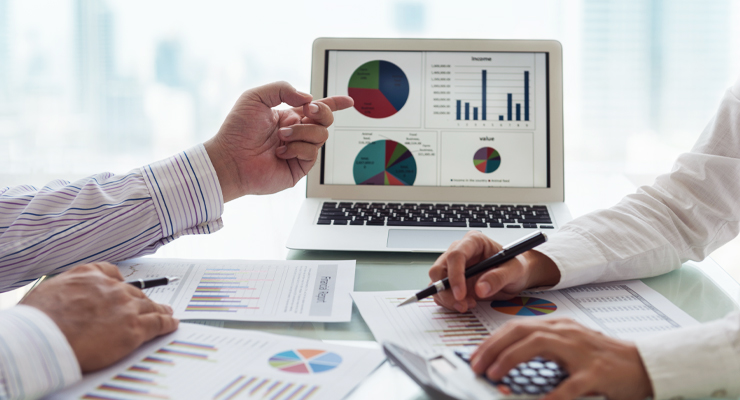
x: 104, y: 217
x: 684, y: 215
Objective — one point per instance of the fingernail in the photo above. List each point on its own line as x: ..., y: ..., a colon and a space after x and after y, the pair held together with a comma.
x: 493, y: 372
x: 456, y: 292
x: 474, y: 362
x: 169, y: 309
x: 484, y: 289
x: 301, y: 93
x: 286, y: 132
x: 459, y: 307
x: 282, y: 149
x: 313, y: 108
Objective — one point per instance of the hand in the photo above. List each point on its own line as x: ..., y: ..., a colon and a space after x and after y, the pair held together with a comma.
x: 259, y: 150
x: 595, y: 363
x: 103, y: 318
x: 528, y: 270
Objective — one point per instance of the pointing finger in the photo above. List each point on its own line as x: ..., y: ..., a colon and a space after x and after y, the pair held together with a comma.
x: 273, y: 94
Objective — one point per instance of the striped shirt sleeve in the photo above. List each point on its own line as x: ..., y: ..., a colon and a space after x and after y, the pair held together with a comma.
x: 106, y: 217
x: 35, y: 358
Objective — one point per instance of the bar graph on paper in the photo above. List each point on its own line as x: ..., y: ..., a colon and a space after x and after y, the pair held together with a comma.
x: 424, y: 325
x: 230, y: 290
x: 156, y: 375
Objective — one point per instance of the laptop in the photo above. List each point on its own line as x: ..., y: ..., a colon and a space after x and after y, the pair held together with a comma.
x: 445, y: 137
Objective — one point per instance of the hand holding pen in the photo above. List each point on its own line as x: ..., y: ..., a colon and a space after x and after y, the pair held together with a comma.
x: 528, y: 270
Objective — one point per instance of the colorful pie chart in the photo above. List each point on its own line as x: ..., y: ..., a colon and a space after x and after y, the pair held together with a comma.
x: 379, y: 89
x: 384, y: 162
x: 487, y: 159
x: 305, y: 361
x: 525, y: 306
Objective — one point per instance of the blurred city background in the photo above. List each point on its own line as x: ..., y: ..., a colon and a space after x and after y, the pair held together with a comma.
x: 108, y: 85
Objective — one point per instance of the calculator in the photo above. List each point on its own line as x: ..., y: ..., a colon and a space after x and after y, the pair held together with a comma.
x: 447, y: 375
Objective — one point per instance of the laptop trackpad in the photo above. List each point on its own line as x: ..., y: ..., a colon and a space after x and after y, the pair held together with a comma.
x: 423, y: 238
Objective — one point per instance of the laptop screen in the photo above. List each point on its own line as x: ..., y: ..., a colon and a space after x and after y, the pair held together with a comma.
x: 424, y: 118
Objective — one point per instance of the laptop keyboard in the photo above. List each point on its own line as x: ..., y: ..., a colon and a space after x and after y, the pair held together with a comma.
x: 436, y: 214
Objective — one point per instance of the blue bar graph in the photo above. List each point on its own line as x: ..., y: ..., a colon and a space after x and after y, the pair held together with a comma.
x: 458, y: 109
x: 508, y: 106
x: 483, y: 95
x: 475, y: 113
x: 526, y: 95
x: 518, y: 112
x: 467, y: 111
x: 500, y: 117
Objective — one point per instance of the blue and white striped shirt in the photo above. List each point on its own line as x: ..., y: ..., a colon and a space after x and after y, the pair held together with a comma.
x: 104, y: 217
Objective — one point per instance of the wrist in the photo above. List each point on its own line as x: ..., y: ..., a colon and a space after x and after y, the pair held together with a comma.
x: 542, y: 271
x: 228, y: 175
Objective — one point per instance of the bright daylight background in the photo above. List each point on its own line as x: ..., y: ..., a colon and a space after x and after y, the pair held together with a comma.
x: 108, y: 85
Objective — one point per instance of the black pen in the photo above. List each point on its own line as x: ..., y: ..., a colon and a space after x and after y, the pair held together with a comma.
x: 526, y: 243
x: 150, y: 283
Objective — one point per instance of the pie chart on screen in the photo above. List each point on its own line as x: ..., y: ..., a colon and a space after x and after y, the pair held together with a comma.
x: 384, y: 162
x: 379, y: 88
x: 487, y: 160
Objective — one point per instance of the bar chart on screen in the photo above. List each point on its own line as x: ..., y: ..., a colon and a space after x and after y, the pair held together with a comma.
x: 198, y: 362
x: 266, y: 290
x: 483, y: 90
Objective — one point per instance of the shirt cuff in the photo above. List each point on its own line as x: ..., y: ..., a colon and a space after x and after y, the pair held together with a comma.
x: 186, y: 193
x: 694, y: 362
x: 575, y: 256
x: 35, y: 357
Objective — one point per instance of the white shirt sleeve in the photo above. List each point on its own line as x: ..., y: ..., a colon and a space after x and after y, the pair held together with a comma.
x: 35, y: 357
x: 684, y: 215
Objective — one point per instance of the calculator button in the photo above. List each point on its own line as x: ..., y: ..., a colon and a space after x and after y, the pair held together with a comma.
x: 553, y: 381
x: 516, y: 389
x: 514, y: 372
x: 552, y: 365
x: 520, y: 380
x: 532, y: 389
x: 535, y: 364
x: 538, y: 380
x: 547, y: 388
x: 506, y: 380
x: 529, y: 372
x: 547, y: 373
x: 522, y: 366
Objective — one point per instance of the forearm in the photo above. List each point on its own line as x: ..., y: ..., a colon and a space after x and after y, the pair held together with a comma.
x: 684, y: 215
x: 106, y: 217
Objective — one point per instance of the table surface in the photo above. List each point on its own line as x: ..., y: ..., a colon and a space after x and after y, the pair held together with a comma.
x: 704, y: 290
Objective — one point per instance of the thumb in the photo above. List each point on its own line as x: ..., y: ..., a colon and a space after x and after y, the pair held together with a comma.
x: 273, y: 94
x: 493, y: 281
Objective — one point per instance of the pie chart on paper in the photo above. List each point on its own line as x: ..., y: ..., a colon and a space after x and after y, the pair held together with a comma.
x: 524, y: 306
x: 384, y: 162
x: 305, y: 361
x: 487, y: 160
x: 379, y: 88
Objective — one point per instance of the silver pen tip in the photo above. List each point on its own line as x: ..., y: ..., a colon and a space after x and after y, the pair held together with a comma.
x: 410, y: 300
x: 173, y: 278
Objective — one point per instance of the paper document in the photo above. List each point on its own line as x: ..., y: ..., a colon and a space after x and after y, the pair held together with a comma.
x: 290, y: 291
x: 626, y: 310
x: 199, y: 362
